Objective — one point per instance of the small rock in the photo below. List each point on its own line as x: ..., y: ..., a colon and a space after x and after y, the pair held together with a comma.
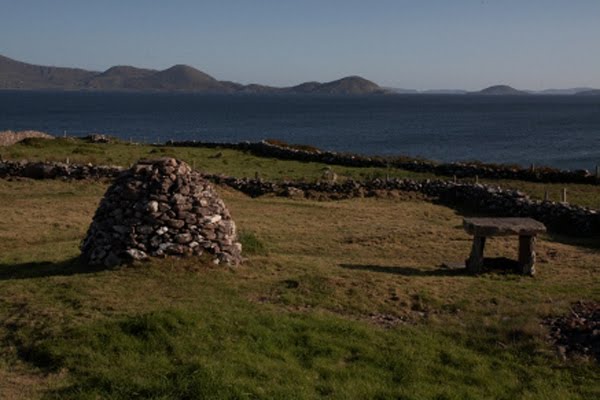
x: 137, y: 255
x: 153, y: 206
x: 183, y: 238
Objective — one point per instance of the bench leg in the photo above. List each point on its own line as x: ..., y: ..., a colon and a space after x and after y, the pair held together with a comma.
x: 475, y: 261
x: 527, y: 255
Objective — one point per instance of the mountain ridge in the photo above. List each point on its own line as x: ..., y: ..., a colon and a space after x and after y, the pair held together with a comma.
x: 19, y: 75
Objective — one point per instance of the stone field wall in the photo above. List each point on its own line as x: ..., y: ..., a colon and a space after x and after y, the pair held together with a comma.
x: 460, y: 170
x: 486, y: 199
x: 57, y: 170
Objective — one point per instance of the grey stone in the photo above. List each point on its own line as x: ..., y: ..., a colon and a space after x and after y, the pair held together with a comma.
x: 137, y: 255
x: 183, y: 238
x: 176, y: 223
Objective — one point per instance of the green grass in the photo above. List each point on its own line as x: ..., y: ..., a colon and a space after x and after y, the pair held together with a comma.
x: 218, y: 161
x: 301, y: 318
x: 252, y: 244
x: 171, y: 354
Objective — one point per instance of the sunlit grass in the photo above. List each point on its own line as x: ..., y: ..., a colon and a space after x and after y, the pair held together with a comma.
x: 304, y: 317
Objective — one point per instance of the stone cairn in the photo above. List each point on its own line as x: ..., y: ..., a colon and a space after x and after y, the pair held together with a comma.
x: 159, y: 208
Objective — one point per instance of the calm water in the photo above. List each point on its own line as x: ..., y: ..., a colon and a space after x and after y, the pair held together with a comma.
x: 562, y: 131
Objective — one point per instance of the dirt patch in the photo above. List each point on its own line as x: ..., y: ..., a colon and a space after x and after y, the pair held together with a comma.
x: 577, y: 333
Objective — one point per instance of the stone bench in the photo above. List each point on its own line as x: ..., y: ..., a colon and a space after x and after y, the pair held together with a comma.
x: 482, y: 228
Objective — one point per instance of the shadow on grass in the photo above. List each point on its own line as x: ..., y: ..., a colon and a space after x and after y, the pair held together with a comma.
x: 406, y: 271
x: 72, y: 266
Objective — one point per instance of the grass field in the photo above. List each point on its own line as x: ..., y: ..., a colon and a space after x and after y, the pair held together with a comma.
x: 342, y: 300
x: 339, y: 300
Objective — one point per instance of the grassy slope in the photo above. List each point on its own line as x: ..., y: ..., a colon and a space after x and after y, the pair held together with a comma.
x: 306, y: 316
x: 239, y: 164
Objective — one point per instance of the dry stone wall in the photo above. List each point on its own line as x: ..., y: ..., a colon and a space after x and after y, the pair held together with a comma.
x: 458, y: 169
x: 493, y: 200
x: 56, y: 170
x: 559, y: 217
x: 159, y: 208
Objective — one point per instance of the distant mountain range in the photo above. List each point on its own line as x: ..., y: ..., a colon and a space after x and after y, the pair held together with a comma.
x: 19, y: 75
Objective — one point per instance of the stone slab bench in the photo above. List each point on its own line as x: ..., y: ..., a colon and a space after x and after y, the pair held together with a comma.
x: 482, y: 228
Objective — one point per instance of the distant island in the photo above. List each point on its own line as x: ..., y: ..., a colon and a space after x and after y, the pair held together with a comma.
x: 181, y: 78
x: 500, y: 90
x: 17, y: 75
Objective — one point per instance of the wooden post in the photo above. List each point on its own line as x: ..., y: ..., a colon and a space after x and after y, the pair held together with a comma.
x: 527, y: 255
x: 532, y: 168
x: 476, y: 179
x: 256, y: 176
x: 67, y: 161
x: 563, y: 197
x: 546, y: 195
x: 454, y: 179
x: 475, y: 261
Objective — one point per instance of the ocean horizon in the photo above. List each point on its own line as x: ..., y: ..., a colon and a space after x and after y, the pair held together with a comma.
x: 557, y: 131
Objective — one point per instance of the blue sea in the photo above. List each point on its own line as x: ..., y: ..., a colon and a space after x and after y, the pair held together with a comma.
x: 560, y: 131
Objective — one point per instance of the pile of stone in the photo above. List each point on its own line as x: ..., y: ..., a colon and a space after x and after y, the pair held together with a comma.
x: 161, y: 208
x: 8, y: 138
x: 578, y: 332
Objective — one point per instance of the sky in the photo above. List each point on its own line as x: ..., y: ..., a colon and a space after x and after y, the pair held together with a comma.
x: 415, y: 44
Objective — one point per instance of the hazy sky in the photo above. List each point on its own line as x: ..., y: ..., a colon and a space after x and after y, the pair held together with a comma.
x: 419, y: 44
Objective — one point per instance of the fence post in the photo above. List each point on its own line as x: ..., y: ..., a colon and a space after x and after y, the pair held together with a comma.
x: 564, y: 195
x: 476, y: 179
x: 545, y: 195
